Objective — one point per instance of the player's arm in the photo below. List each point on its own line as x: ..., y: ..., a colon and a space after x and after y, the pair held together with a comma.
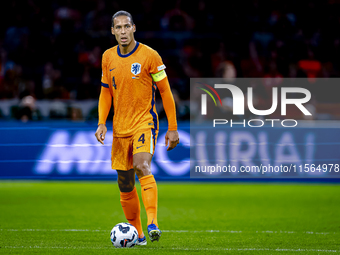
x: 162, y: 82
x: 104, y: 104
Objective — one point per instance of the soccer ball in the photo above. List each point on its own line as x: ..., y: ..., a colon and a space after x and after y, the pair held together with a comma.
x: 124, y: 235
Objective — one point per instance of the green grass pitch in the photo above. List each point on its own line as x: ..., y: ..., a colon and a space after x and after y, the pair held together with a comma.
x: 199, y: 218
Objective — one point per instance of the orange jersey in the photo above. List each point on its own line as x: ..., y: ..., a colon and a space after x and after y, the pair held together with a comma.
x: 129, y: 80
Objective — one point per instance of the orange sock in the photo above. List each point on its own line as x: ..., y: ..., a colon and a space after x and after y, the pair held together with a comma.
x: 131, y: 208
x: 149, y: 195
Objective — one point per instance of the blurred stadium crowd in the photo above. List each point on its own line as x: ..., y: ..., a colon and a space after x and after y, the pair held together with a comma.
x: 50, y: 51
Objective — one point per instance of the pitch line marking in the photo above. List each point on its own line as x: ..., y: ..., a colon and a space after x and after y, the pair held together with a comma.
x: 180, y: 231
x: 183, y: 249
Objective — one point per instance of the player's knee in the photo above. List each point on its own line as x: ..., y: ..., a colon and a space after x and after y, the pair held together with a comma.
x: 126, y: 181
x: 126, y: 187
x: 142, y: 169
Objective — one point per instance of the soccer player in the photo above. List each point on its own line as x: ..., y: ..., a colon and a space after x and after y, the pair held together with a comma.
x: 131, y: 74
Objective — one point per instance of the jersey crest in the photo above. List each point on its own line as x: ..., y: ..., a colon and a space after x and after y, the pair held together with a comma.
x: 135, y: 68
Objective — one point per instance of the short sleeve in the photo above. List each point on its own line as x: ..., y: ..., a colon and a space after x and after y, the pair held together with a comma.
x: 104, y: 80
x: 156, y: 64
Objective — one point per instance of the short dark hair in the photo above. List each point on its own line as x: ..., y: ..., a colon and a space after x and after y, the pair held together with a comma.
x: 122, y: 13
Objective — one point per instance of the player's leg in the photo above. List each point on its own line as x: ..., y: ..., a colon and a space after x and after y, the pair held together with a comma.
x: 143, y: 149
x: 142, y: 166
x: 122, y: 159
x: 129, y: 199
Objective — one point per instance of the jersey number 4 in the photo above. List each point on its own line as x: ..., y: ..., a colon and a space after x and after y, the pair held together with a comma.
x: 141, y: 138
x: 114, y: 83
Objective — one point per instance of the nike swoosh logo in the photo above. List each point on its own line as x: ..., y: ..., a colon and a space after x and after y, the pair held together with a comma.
x: 139, y: 147
x: 112, y: 69
x: 147, y: 189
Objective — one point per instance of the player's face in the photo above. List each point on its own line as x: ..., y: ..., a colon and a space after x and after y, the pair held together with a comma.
x: 123, y: 30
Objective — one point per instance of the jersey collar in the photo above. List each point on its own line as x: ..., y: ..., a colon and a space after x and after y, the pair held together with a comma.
x: 130, y: 53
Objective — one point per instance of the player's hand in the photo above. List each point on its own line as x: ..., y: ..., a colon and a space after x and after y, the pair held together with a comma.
x: 171, y: 138
x: 100, y: 133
